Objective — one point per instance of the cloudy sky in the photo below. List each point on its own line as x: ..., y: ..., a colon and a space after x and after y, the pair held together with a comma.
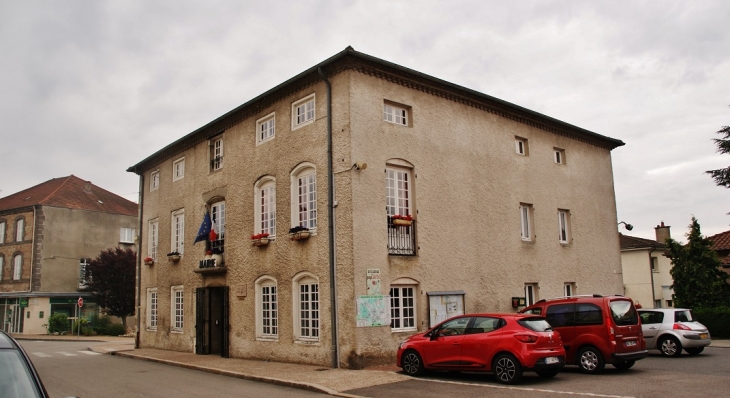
x: 92, y: 87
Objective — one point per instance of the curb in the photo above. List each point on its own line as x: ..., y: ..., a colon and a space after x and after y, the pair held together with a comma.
x: 271, y: 380
x: 56, y: 339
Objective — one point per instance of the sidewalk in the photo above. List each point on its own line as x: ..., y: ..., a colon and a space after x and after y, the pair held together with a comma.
x: 314, y: 378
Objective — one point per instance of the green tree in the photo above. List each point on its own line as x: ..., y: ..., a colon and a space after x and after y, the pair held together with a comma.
x: 699, y: 282
x: 111, y: 277
x: 722, y: 176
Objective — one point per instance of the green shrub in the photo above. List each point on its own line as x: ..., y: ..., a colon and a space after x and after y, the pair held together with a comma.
x: 716, y: 319
x: 116, y: 329
x: 57, y: 323
x: 75, y: 326
x: 100, y: 324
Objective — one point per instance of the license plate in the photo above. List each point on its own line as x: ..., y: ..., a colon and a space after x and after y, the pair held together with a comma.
x: 703, y: 335
x: 630, y: 343
x: 552, y: 360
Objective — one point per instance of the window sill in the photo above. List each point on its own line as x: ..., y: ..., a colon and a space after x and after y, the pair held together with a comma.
x: 300, y: 340
x: 267, y: 339
x: 151, y: 329
x: 176, y: 331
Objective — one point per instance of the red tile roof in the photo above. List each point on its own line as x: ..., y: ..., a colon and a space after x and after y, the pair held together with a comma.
x: 632, y: 242
x: 720, y: 241
x: 70, y: 192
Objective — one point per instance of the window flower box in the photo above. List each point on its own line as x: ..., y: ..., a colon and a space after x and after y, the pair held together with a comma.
x: 299, y: 233
x: 261, y: 239
x: 149, y: 261
x: 174, y: 257
x: 402, y: 221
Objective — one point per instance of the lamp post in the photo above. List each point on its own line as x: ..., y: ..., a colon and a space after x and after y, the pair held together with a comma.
x: 628, y: 226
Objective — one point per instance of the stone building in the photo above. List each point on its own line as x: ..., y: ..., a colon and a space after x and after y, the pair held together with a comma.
x: 48, y: 233
x: 416, y: 199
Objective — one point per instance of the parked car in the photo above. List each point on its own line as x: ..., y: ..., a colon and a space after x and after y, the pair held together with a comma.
x: 505, y: 344
x: 595, y: 330
x: 670, y: 330
x: 18, y: 377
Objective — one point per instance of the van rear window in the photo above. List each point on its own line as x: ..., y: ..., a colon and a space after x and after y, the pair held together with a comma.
x: 624, y: 313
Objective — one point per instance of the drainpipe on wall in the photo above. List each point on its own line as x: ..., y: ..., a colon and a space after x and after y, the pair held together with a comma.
x: 138, y: 306
x: 331, y: 225
x: 651, y: 274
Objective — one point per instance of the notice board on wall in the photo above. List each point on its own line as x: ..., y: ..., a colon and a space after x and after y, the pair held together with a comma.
x: 444, y: 305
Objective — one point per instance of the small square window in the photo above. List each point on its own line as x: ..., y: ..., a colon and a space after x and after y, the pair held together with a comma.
x: 569, y: 289
x: 126, y: 235
x: 521, y: 146
x: 178, y: 169
x: 396, y: 114
x: 655, y: 264
x: 154, y: 180
x: 303, y: 112
x: 265, y: 128
x: 559, y: 156
x: 216, y: 154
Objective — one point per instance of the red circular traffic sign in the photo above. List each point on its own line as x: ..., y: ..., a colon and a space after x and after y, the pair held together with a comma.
x: 81, y: 302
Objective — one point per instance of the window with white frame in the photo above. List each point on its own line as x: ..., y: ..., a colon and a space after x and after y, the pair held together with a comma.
x: 152, y: 308
x: 655, y: 264
x: 218, y: 224
x: 398, y: 191
x: 178, y: 232
x: 126, y: 235
x: 178, y: 169
x: 153, y: 238
x: 564, y: 226
x: 306, y: 305
x: 526, y: 221
x: 530, y: 294
x: 521, y: 146
x: 303, y: 112
x: 177, y: 307
x: 83, y: 265
x: 154, y: 180
x: 402, y: 308
x: 2, y: 231
x: 267, y: 304
x: 17, y: 267
x: 396, y: 114
x: 19, y: 229
x: 216, y: 154
x: 569, y: 289
x: 304, y: 196
x: 559, y: 155
x: 265, y: 207
x: 265, y: 128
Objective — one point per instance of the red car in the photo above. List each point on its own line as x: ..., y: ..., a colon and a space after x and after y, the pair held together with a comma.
x: 504, y: 344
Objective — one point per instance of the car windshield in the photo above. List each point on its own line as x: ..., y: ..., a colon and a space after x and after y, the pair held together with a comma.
x: 537, y: 324
x: 623, y: 313
x: 15, y: 378
x: 683, y: 316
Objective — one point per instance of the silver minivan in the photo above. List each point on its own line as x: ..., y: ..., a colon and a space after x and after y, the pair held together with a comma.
x: 670, y: 330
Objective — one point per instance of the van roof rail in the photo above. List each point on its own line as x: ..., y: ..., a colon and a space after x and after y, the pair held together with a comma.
x: 566, y: 297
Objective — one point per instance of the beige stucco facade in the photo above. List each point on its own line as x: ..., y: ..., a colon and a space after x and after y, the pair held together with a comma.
x: 466, y: 185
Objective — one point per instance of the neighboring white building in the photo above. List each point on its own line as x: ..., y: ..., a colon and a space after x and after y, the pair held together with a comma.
x: 646, y: 269
x: 434, y: 201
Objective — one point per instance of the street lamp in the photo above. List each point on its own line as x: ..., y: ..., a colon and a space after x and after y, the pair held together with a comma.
x: 628, y: 226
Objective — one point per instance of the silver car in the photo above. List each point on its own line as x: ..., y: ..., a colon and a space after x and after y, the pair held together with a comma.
x: 670, y: 330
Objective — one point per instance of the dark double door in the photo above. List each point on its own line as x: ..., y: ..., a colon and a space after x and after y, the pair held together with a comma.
x: 211, y: 321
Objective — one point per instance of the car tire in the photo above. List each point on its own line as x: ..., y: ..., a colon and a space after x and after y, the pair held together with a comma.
x: 590, y: 360
x: 623, y: 365
x: 546, y: 374
x: 412, y: 363
x: 694, y: 350
x: 507, y: 369
x: 669, y: 346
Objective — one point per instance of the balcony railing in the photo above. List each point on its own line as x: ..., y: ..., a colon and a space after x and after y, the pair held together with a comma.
x: 401, y: 239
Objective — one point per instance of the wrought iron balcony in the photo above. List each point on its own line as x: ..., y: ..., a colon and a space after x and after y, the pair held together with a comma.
x: 401, y: 238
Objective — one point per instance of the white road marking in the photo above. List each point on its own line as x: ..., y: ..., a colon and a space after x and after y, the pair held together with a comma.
x: 89, y: 352
x: 68, y: 354
x: 588, y: 394
x: 41, y: 354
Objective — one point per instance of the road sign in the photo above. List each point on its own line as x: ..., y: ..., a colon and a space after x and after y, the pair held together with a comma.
x: 81, y: 302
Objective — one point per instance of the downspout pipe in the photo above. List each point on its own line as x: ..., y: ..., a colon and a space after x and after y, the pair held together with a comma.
x: 138, y: 307
x: 331, y: 224
x: 651, y: 274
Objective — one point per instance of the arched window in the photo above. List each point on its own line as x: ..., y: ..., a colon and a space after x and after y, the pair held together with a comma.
x: 17, y: 267
x: 19, y: 229
x: 304, y: 196
x: 267, y: 308
x: 2, y: 267
x: 403, y: 300
x: 3, y: 226
x: 265, y: 206
x: 218, y: 224
x: 306, y: 306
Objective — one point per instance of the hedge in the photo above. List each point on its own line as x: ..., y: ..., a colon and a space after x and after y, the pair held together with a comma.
x: 716, y: 319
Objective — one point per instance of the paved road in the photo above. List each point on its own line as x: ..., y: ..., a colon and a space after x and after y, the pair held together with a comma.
x: 69, y: 369
x: 706, y: 375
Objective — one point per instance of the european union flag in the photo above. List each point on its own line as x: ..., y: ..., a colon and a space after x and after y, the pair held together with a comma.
x: 204, y: 230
